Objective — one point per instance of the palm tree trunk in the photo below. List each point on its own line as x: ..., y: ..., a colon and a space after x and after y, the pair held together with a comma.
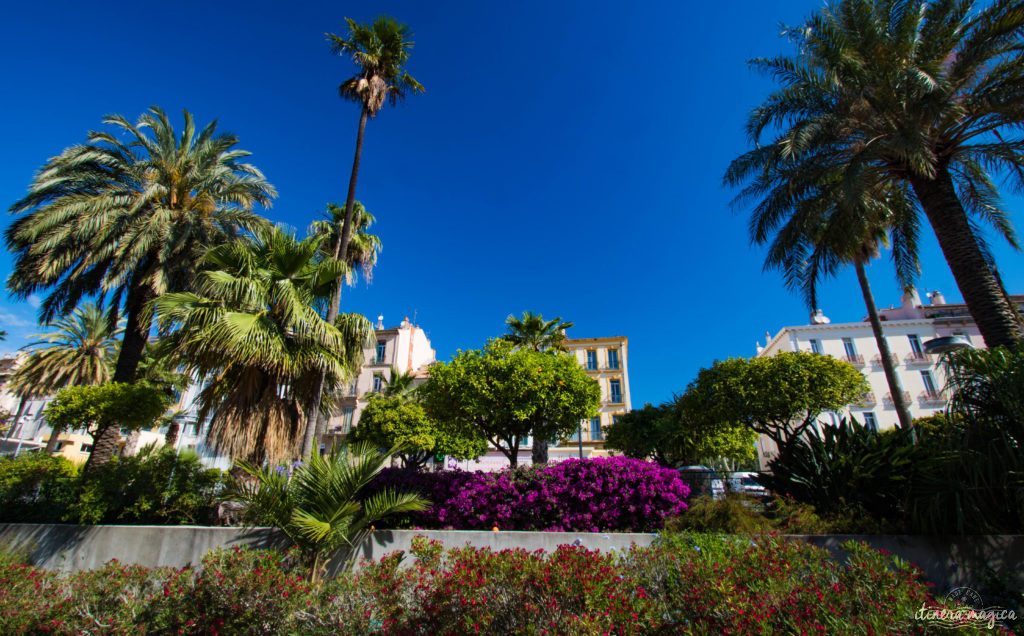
x: 133, y: 344
x: 173, y: 430
x: 899, y: 399
x: 340, y: 250
x: 991, y: 310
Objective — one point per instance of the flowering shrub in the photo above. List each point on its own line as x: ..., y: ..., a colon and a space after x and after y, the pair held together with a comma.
x: 592, y: 495
x: 699, y: 584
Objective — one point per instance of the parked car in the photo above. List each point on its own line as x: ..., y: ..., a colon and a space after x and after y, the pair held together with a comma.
x: 746, y: 483
x: 703, y: 481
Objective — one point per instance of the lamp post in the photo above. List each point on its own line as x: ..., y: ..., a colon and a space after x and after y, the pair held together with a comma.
x: 580, y: 440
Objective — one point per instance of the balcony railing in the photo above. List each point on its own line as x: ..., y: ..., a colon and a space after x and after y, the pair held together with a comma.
x: 915, y: 359
x: 932, y: 398
x: 877, y: 360
x: 866, y: 401
x: 856, y: 359
x: 888, y: 401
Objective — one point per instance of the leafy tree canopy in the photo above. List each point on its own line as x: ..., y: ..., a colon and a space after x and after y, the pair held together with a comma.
x: 394, y: 421
x: 97, y: 408
x: 780, y: 396
x: 507, y: 393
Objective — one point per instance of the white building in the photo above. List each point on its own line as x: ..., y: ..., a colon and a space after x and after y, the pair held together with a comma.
x: 906, y: 327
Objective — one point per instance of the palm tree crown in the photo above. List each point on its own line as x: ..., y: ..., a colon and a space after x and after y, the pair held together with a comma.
x: 254, y: 326
x: 918, y: 93
x: 531, y: 331
x: 363, y: 248
x: 81, y: 350
x: 380, y: 50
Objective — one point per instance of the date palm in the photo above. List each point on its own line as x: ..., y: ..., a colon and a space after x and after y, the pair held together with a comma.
x: 829, y: 226
x: 81, y: 350
x: 126, y: 217
x: 531, y: 331
x: 254, y: 328
x: 921, y: 93
x: 380, y: 51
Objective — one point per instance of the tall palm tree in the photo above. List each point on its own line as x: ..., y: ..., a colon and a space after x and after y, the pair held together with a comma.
x: 81, y: 350
x: 380, y: 50
x: 531, y: 331
x: 824, y: 229
x: 363, y: 247
x: 129, y: 219
x: 253, y: 326
x: 924, y: 93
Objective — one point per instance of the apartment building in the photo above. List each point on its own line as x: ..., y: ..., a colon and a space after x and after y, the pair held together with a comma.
x: 907, y: 328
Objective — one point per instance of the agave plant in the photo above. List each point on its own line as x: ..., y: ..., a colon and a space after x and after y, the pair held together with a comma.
x: 317, y: 503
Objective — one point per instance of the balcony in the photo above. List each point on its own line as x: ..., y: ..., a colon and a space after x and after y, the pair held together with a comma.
x: 932, y: 398
x: 918, y: 359
x: 855, y: 359
x: 877, y: 360
x: 889, y: 403
x: 866, y: 401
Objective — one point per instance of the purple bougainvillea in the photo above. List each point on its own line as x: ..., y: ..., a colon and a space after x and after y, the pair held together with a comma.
x: 590, y: 495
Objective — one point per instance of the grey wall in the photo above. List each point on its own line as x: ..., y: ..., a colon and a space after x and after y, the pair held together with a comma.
x: 948, y: 562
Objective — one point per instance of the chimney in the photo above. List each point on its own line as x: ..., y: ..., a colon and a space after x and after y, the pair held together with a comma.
x: 937, y: 298
x: 911, y: 299
x: 819, y: 318
x: 380, y: 322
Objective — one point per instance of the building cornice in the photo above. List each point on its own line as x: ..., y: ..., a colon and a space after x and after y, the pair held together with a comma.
x: 845, y: 326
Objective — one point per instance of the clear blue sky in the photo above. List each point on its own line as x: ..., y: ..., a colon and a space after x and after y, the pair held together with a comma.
x: 567, y: 157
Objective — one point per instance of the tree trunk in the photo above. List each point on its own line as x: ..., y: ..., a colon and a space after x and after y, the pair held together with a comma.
x: 51, y: 444
x: 133, y: 344
x: 539, y: 452
x: 171, y: 439
x: 988, y: 305
x: 899, y: 400
x: 333, y: 309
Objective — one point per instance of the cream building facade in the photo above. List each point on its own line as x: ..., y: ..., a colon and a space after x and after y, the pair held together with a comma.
x: 907, y: 328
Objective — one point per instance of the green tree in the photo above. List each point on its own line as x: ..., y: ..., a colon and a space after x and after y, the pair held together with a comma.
x: 396, y: 421
x: 81, y: 350
x: 507, y: 394
x: 128, y: 219
x: 678, y: 433
x: 922, y: 94
x: 317, y: 504
x: 253, y: 326
x: 779, y: 396
x: 380, y: 51
x: 531, y: 331
x: 100, y: 408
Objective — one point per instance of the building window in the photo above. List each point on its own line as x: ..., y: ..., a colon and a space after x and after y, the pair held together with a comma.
x: 851, y: 351
x: 86, y: 448
x: 524, y: 440
x: 591, y: 360
x: 575, y: 437
x: 352, y: 387
x: 870, y: 422
x: 915, y: 345
x: 378, y: 383
x: 929, y: 383
x: 616, y: 418
x: 346, y: 419
x: 815, y: 346
x: 615, y: 390
x: 613, y: 358
x: 382, y: 347
x: 595, y: 429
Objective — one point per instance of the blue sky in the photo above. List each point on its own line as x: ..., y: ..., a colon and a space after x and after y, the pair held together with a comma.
x: 566, y: 158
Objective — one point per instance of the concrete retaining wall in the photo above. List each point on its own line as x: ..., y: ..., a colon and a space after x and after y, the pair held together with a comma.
x: 947, y: 562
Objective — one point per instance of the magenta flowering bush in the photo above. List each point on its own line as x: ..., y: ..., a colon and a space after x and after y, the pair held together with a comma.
x: 592, y: 495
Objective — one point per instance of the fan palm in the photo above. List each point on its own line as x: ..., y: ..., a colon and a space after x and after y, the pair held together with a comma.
x: 824, y: 229
x: 319, y: 505
x: 400, y: 384
x: 363, y: 248
x: 531, y: 331
x: 254, y: 327
x: 924, y: 93
x: 129, y: 219
x: 380, y: 50
x: 81, y: 350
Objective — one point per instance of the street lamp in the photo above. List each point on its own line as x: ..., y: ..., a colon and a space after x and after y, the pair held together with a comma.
x: 947, y: 344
